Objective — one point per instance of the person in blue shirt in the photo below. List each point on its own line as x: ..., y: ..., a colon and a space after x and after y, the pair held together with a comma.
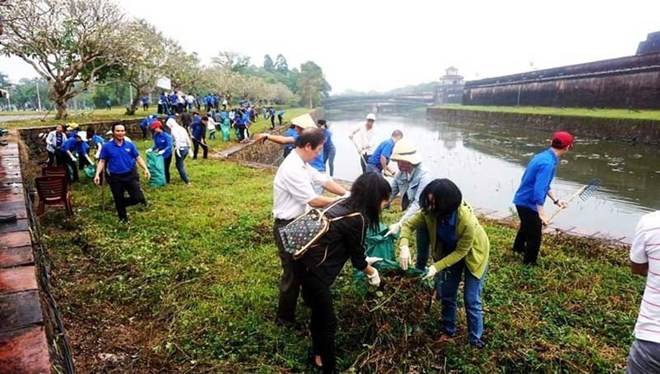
x: 94, y: 140
x: 240, y: 125
x: 379, y: 160
x: 530, y: 197
x: 162, y: 104
x: 292, y: 133
x: 120, y: 157
x: 145, y: 103
x: 108, y: 104
x: 271, y: 115
x: 329, y: 150
x: 199, y: 136
x: 71, y: 130
x: 78, y: 145
x: 145, y: 123
x: 163, y: 146
x: 280, y: 117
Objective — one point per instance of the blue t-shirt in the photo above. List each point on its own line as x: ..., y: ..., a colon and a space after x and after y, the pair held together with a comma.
x: 535, y: 182
x: 163, y: 142
x: 328, y: 145
x: 198, y: 130
x: 97, y: 139
x: 384, y: 149
x: 73, y: 145
x: 280, y: 113
x: 119, y: 158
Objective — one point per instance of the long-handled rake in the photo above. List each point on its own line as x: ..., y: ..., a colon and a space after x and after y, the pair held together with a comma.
x: 584, y: 193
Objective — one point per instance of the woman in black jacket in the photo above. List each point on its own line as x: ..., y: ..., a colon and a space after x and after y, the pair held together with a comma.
x: 319, y: 267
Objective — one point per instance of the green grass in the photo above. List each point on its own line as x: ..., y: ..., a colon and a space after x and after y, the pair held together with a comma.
x: 644, y: 114
x: 190, y: 285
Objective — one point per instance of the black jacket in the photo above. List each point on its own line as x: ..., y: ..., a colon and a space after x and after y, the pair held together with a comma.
x: 344, y: 240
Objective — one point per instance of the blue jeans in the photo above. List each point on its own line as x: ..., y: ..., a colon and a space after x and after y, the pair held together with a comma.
x: 422, y: 244
x: 329, y: 157
x: 179, y: 163
x: 447, y: 282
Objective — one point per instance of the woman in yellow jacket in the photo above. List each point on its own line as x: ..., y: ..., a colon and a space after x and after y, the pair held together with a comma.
x: 459, y: 245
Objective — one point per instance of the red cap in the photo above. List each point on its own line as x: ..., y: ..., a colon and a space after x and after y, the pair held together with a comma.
x: 156, y: 125
x: 562, y: 139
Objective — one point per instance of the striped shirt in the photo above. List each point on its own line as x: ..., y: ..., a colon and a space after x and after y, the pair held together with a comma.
x: 646, y: 249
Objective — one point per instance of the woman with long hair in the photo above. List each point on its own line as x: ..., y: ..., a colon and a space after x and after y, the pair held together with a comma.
x: 322, y: 263
x: 460, y: 249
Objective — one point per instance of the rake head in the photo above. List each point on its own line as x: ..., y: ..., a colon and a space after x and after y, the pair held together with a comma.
x: 590, y: 189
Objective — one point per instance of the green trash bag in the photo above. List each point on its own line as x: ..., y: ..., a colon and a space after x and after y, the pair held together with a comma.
x: 225, y: 130
x: 379, y: 245
x: 90, y: 171
x: 156, y: 167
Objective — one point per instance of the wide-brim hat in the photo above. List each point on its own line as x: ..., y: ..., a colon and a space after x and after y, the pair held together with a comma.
x: 304, y: 121
x: 405, y: 151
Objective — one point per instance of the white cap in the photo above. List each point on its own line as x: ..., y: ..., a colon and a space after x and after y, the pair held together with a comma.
x: 371, y: 116
x: 82, y: 135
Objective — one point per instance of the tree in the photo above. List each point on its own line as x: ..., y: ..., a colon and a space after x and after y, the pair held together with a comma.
x: 70, y: 43
x: 312, y: 83
x: 281, y: 65
x: 268, y: 63
x: 232, y: 61
x: 151, y: 56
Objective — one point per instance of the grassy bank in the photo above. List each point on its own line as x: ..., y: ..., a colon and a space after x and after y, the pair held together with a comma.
x: 645, y: 114
x: 190, y: 285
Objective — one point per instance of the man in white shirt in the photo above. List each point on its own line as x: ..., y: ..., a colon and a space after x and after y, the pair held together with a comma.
x: 293, y: 189
x: 645, y: 260
x: 365, y: 140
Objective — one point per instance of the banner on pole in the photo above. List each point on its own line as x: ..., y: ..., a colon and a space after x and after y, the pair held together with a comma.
x: 164, y: 83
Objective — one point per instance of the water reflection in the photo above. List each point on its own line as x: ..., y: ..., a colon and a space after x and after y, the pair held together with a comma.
x: 487, y: 162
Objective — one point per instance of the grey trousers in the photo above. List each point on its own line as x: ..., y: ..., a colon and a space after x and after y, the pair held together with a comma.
x: 644, y: 358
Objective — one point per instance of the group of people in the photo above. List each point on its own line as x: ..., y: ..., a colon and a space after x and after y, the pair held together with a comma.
x: 445, y: 226
x: 446, y: 230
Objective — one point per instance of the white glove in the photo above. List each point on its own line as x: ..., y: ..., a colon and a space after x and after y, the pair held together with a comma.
x: 373, y: 260
x: 161, y: 152
x: 149, y: 150
x: 74, y: 159
x: 97, y: 154
x: 393, y: 229
x: 404, y: 257
x: 178, y: 153
x: 430, y: 272
x: 374, y: 279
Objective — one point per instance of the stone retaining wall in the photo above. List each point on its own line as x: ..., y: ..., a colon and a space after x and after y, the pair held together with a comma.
x: 23, y: 327
x: 641, y: 131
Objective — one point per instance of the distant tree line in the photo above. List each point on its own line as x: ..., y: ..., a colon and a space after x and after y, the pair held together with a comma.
x: 75, y: 45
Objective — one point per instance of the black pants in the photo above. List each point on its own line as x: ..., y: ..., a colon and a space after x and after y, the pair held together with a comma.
x: 167, y: 161
x: 196, y: 145
x: 129, y: 182
x: 279, y: 119
x: 323, y: 324
x: 528, y: 239
x: 144, y: 132
x: 56, y: 158
x: 272, y: 122
x: 289, y: 284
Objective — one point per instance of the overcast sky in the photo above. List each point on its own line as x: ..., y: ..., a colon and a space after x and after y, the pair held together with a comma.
x: 380, y: 45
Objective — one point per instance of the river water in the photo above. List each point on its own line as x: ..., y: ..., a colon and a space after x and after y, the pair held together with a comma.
x: 487, y: 161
